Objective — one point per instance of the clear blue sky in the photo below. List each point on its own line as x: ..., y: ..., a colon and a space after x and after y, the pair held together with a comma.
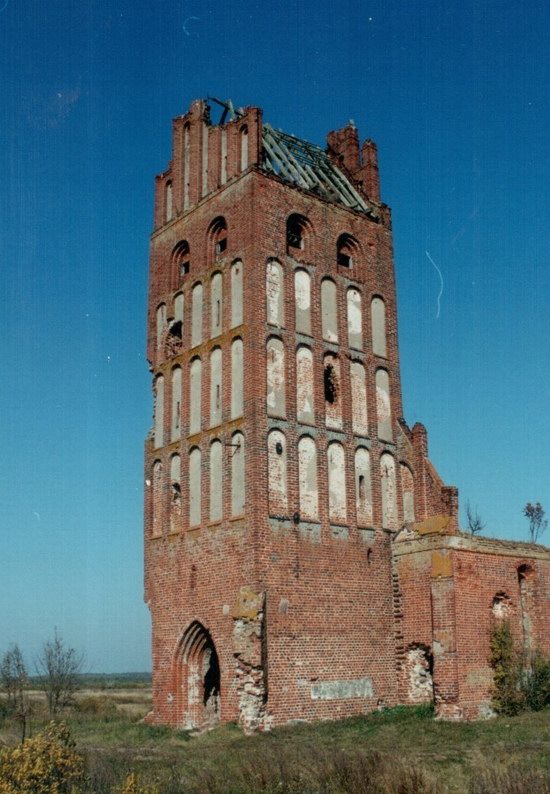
x: 456, y: 94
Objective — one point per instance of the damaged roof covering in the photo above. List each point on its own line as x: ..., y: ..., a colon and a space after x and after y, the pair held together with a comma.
x: 307, y: 166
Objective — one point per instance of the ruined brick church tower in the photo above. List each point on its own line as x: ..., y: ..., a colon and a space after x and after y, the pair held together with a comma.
x: 279, y: 468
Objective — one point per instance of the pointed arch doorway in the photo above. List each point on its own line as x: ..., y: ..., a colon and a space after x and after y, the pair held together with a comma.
x: 198, y: 679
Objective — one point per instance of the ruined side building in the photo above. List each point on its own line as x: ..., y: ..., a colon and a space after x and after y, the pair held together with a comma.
x: 302, y: 555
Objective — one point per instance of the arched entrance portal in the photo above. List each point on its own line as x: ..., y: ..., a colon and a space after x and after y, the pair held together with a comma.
x: 198, y: 679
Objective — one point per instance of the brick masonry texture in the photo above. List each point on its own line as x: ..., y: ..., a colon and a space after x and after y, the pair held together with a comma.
x: 266, y: 616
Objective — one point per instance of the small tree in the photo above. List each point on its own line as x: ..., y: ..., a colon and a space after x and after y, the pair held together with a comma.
x: 14, y: 680
x: 58, y: 668
x: 475, y: 524
x: 506, y: 663
x: 537, y: 522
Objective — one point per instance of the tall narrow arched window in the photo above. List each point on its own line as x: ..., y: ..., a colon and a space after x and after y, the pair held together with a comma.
x: 194, y: 487
x: 276, y: 381
x: 237, y: 378
x: 236, y: 294
x: 355, y: 319
x: 186, y: 165
x: 175, y: 493
x: 307, y: 479
x: 161, y: 323
x: 363, y: 488
x: 217, y: 239
x: 216, y: 305
x: 223, y: 157
x: 383, y: 405
x: 216, y: 489
x: 195, y: 396
x: 196, y: 315
x: 297, y: 231
x: 389, y: 495
x: 275, y: 294
x: 346, y: 250
x: 526, y: 581
x: 359, y: 418
x: 378, y: 320
x: 157, y: 500
x: 302, y: 299
x: 304, y: 386
x: 180, y: 261
x: 277, y: 476
x: 407, y: 491
x: 169, y: 204
x: 329, y: 312
x: 215, y: 387
x: 337, y: 482
x: 238, y: 494
x: 175, y: 423
x: 159, y: 412
x: 178, y: 307
x: 333, y: 391
x: 244, y: 147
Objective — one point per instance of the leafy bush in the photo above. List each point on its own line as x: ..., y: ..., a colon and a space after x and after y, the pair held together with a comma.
x: 536, y: 683
x: 45, y: 764
x: 508, y: 697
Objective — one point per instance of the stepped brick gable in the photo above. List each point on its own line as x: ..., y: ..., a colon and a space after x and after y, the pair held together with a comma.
x: 302, y: 555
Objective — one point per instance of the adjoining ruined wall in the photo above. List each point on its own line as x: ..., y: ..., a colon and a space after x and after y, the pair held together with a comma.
x: 452, y: 590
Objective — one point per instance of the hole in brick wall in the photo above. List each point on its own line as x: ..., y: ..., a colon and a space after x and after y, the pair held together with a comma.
x: 184, y: 268
x: 344, y: 260
x: 369, y: 556
x: 362, y: 487
x: 221, y: 246
x: 296, y: 227
x: 331, y: 384
x: 279, y: 448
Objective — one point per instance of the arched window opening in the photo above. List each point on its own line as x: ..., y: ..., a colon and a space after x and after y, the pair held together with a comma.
x: 302, y: 299
x: 196, y: 315
x: 276, y: 383
x: 237, y: 376
x: 333, y: 399
x: 346, y: 249
x: 389, y: 495
x: 355, y: 318
x: 159, y: 412
x: 337, y: 483
x: 378, y: 320
x: 501, y: 606
x: 175, y: 424
x: 236, y: 294
x: 198, y: 679
x: 161, y: 323
x: 359, y: 418
x: 297, y: 231
x: 216, y: 305
x: 329, y: 311
x: 194, y: 487
x: 215, y: 387
x: 383, y: 405
x: 307, y: 479
x: 175, y: 493
x: 195, y: 395
x: 169, y: 201
x: 217, y: 238
x: 526, y: 582
x: 180, y: 259
x: 216, y: 473
x: 277, y: 473
x: 275, y: 293
x: 304, y: 386
x: 157, y: 501
x: 407, y: 490
x: 244, y: 147
x: 238, y: 494
x: 363, y: 488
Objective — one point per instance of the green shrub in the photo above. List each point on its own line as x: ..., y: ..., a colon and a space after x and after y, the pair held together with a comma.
x: 508, y: 697
x: 45, y: 764
x: 536, y: 683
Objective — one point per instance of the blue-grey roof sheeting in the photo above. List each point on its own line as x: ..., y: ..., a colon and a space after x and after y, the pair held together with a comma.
x: 307, y: 166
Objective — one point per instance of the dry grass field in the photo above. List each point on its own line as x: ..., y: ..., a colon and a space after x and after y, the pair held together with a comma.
x: 399, y: 751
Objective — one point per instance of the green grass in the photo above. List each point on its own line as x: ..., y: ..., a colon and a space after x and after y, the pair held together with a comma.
x: 331, y: 757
